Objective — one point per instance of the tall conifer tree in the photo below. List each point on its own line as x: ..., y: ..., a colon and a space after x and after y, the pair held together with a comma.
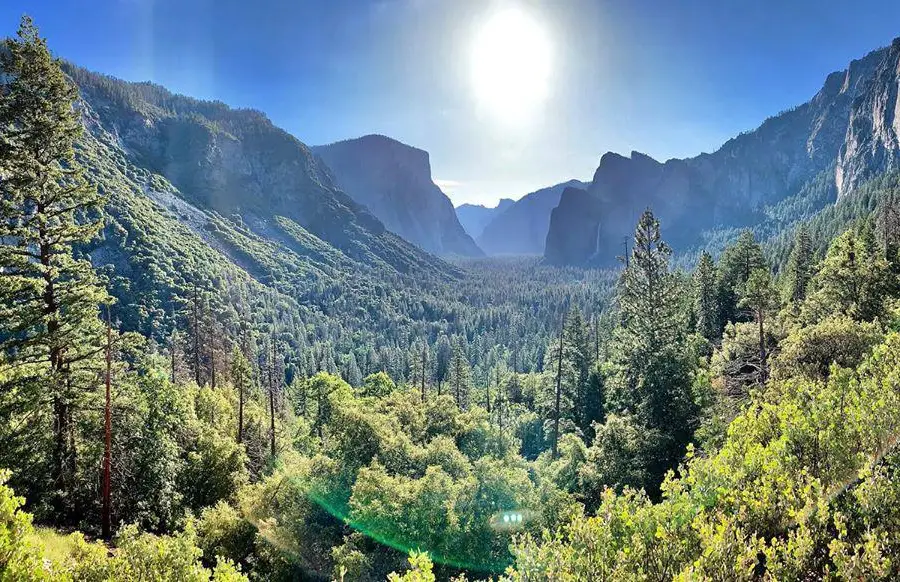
x: 800, y: 266
x: 49, y: 298
x: 706, y: 310
x: 652, y: 358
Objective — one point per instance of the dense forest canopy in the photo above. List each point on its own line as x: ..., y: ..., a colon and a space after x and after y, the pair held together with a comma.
x: 191, y: 400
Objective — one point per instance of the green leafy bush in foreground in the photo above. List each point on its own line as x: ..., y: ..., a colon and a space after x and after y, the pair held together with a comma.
x: 806, y: 484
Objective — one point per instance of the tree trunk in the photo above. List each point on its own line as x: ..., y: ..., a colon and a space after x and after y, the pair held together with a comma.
x: 240, y: 433
x: 212, y: 349
x: 424, y: 347
x: 762, y: 348
x: 172, y: 353
x: 196, y: 322
x: 59, y: 380
x: 500, y: 415
x: 558, y: 392
x: 241, y: 382
x: 272, y: 400
x: 107, y: 449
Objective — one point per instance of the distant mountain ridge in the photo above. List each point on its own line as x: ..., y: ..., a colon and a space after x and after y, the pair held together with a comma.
x: 820, y: 150
x: 522, y: 228
x: 393, y: 180
x: 474, y: 217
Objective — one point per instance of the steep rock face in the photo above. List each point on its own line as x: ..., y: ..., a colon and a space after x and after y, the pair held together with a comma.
x: 474, y: 217
x: 238, y: 164
x: 522, y: 228
x: 393, y: 180
x: 872, y: 145
x: 751, y: 173
x: 572, y: 223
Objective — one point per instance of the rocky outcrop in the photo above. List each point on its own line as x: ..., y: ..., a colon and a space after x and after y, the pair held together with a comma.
x: 572, y: 224
x: 848, y: 125
x: 393, y: 180
x: 522, y: 228
x: 872, y: 145
x: 474, y: 217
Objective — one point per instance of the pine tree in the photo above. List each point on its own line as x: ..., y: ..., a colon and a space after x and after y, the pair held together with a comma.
x: 423, y: 371
x: 648, y: 292
x: 706, y: 310
x: 735, y: 267
x: 276, y: 376
x: 557, y: 393
x: 578, y: 352
x: 354, y: 374
x: 800, y: 267
x: 460, y: 374
x: 241, y: 377
x: 888, y: 227
x: 49, y: 299
x: 443, y: 354
x: 652, y: 357
x: 760, y: 297
x: 106, y: 511
x: 854, y: 279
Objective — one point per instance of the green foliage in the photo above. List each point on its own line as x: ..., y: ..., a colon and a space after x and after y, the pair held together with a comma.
x: 811, y: 351
x: 737, y: 263
x: 222, y: 531
x: 20, y: 558
x: 800, y: 267
x: 803, y: 460
x: 619, y: 457
x: 50, y: 332
x: 142, y: 556
x: 853, y: 279
x: 706, y: 310
x: 137, y: 556
x: 378, y: 385
x: 653, y: 361
x: 420, y: 570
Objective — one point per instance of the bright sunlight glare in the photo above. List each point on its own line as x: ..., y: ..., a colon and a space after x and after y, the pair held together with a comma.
x: 511, y: 61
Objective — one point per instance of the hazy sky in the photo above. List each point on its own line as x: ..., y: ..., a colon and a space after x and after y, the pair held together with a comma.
x: 669, y: 78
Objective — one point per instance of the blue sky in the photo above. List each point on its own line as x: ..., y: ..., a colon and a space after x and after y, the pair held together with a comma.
x: 668, y: 78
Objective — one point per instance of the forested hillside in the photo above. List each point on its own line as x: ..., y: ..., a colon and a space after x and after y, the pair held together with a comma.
x: 216, y: 370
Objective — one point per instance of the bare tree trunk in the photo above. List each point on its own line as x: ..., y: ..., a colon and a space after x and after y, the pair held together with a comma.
x: 172, y: 356
x: 240, y: 433
x: 762, y: 348
x: 500, y: 414
x: 272, y: 399
x: 241, y: 381
x: 558, y: 391
x: 106, y: 521
x: 424, y: 347
x: 212, y: 347
x: 195, y: 312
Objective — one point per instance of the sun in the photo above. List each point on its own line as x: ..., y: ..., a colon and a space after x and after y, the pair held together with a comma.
x: 511, y: 65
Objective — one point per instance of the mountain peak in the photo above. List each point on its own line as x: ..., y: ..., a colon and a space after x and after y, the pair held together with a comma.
x: 521, y: 229
x: 393, y: 180
x: 846, y: 134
